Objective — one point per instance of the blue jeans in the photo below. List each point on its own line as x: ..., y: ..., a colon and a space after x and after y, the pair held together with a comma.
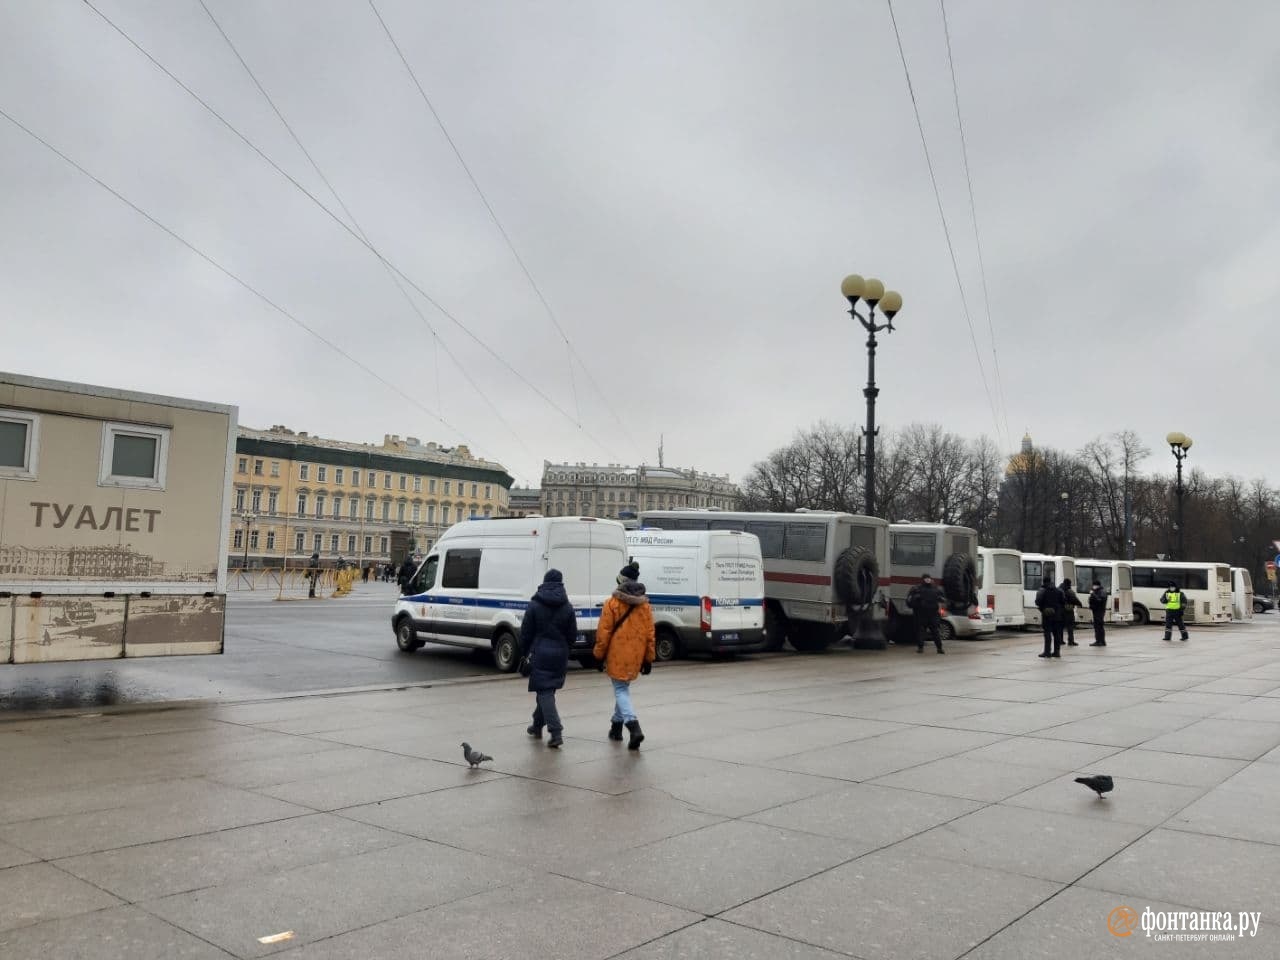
x: 622, y: 709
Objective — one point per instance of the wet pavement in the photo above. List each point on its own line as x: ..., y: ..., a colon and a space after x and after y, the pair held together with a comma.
x: 876, y: 805
x: 273, y: 648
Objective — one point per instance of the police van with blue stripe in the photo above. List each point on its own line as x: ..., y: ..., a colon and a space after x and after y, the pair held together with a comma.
x: 706, y: 589
x: 473, y: 587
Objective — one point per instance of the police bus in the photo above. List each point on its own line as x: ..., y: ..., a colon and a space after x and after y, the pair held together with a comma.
x: 1000, y: 585
x: 1037, y: 566
x: 818, y: 567
x: 1116, y: 577
x: 1207, y: 587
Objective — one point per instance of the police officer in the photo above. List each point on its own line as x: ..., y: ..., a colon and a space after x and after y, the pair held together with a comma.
x: 1053, y: 607
x: 1174, y: 603
x: 312, y: 574
x: 1072, y: 601
x: 925, y: 601
x: 1098, y: 607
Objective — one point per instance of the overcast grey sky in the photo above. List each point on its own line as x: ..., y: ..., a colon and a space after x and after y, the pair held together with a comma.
x: 687, y: 182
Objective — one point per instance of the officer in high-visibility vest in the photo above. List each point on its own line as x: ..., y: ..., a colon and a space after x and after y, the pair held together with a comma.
x: 1175, y: 601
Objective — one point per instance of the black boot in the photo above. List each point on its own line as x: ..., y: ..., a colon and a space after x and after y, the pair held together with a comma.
x: 615, y: 730
x: 637, y: 737
x: 534, y: 730
x: 556, y: 740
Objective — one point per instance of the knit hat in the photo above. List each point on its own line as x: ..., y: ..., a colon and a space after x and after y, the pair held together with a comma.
x: 553, y: 576
x: 630, y: 572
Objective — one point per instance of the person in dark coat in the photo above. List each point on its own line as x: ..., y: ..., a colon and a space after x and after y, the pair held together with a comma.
x: 1053, y: 608
x: 313, y: 573
x: 1072, y: 601
x: 925, y: 601
x: 546, y: 636
x: 1098, y: 607
x: 407, y: 570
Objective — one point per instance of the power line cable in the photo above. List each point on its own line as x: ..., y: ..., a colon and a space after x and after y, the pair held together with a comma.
x: 946, y: 231
x: 227, y: 272
x: 356, y: 224
x: 977, y: 240
x: 345, y: 226
x: 546, y: 306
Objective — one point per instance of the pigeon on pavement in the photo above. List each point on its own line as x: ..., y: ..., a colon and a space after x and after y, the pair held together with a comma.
x: 475, y: 757
x: 1101, y: 783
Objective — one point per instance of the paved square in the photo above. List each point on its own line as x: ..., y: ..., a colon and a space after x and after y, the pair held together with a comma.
x: 873, y: 805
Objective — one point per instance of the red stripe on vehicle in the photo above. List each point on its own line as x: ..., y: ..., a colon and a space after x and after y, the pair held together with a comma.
x: 807, y: 578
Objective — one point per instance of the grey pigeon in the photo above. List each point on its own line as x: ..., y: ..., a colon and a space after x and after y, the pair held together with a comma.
x: 1101, y: 783
x: 474, y: 757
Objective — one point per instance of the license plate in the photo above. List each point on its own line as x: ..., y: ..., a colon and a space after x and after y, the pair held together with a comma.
x: 728, y: 636
x: 582, y: 639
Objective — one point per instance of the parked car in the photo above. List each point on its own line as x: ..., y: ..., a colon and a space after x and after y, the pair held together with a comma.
x: 1262, y: 604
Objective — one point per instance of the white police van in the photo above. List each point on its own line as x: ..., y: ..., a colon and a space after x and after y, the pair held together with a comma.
x: 473, y: 587
x: 706, y: 589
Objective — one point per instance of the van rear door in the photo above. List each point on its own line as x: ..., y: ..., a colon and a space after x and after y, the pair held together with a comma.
x: 735, y: 582
x: 589, y: 554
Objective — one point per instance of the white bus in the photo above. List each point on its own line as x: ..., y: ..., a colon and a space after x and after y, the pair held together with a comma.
x: 818, y: 568
x: 1116, y: 577
x: 1037, y: 566
x: 1242, y: 607
x: 1207, y: 586
x: 949, y: 554
x: 1000, y: 585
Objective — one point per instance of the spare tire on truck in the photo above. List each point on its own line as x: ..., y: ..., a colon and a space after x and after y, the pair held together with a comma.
x: 959, y: 579
x: 856, y: 577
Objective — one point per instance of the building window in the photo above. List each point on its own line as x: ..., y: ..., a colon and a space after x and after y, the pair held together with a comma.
x: 273, y: 502
x: 354, y: 512
x: 446, y: 488
x: 302, y: 504
x: 275, y: 468
x: 368, y: 544
x: 244, y: 465
x: 337, y: 474
x: 239, y: 501
x: 317, y: 542
x: 271, y: 540
x: 488, y: 491
x: 351, y: 543
x: 319, y: 506
x: 253, y: 539
x: 417, y: 484
x: 488, y: 511
x: 333, y: 543
x: 373, y: 478
x: 431, y: 485
x: 237, y: 539
x: 382, y: 545
x: 404, y: 482
x: 304, y: 471
x: 417, y: 513
x: 355, y: 478
x: 475, y: 490
x: 386, y: 510
x: 368, y: 509
x: 386, y: 481
x: 444, y: 514
x: 299, y: 542
x: 133, y: 456
x: 337, y: 508
x: 257, y: 468
x: 431, y: 513
x: 257, y: 501
x: 400, y: 513
x: 322, y: 474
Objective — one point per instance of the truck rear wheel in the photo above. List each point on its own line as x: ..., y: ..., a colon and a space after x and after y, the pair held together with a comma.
x: 775, y: 629
x: 856, y: 576
x: 809, y: 637
x: 959, y: 575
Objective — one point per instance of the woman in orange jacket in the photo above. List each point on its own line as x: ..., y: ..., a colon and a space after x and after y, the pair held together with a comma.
x: 624, y: 647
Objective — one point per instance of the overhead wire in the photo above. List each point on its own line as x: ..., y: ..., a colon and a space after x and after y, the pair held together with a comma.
x: 344, y: 225
x: 227, y: 272
x: 413, y: 305
x: 977, y: 239
x: 946, y: 230
x: 493, y: 215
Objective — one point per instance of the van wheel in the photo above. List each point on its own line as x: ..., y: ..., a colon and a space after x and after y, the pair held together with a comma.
x: 406, y: 637
x: 506, y: 651
x: 1140, y: 616
x: 666, y: 644
x: 775, y: 630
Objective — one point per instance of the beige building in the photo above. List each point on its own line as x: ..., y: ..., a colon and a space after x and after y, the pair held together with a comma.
x: 524, y: 502
x: 620, y: 493
x: 113, y: 512
x: 296, y: 494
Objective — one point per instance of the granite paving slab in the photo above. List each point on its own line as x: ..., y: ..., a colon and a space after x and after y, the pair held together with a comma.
x: 35, y: 892
x: 873, y: 815
x: 118, y: 933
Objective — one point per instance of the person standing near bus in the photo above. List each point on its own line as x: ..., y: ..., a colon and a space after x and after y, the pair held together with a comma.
x: 1053, y: 607
x: 925, y: 601
x: 1175, y: 602
x: 1072, y: 601
x: 1098, y: 607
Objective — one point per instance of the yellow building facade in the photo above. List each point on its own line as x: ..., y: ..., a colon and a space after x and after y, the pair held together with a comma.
x: 294, y: 495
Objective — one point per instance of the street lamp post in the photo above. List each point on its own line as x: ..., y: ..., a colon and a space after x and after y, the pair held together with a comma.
x: 1065, y: 514
x: 872, y: 293
x: 1179, y: 444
